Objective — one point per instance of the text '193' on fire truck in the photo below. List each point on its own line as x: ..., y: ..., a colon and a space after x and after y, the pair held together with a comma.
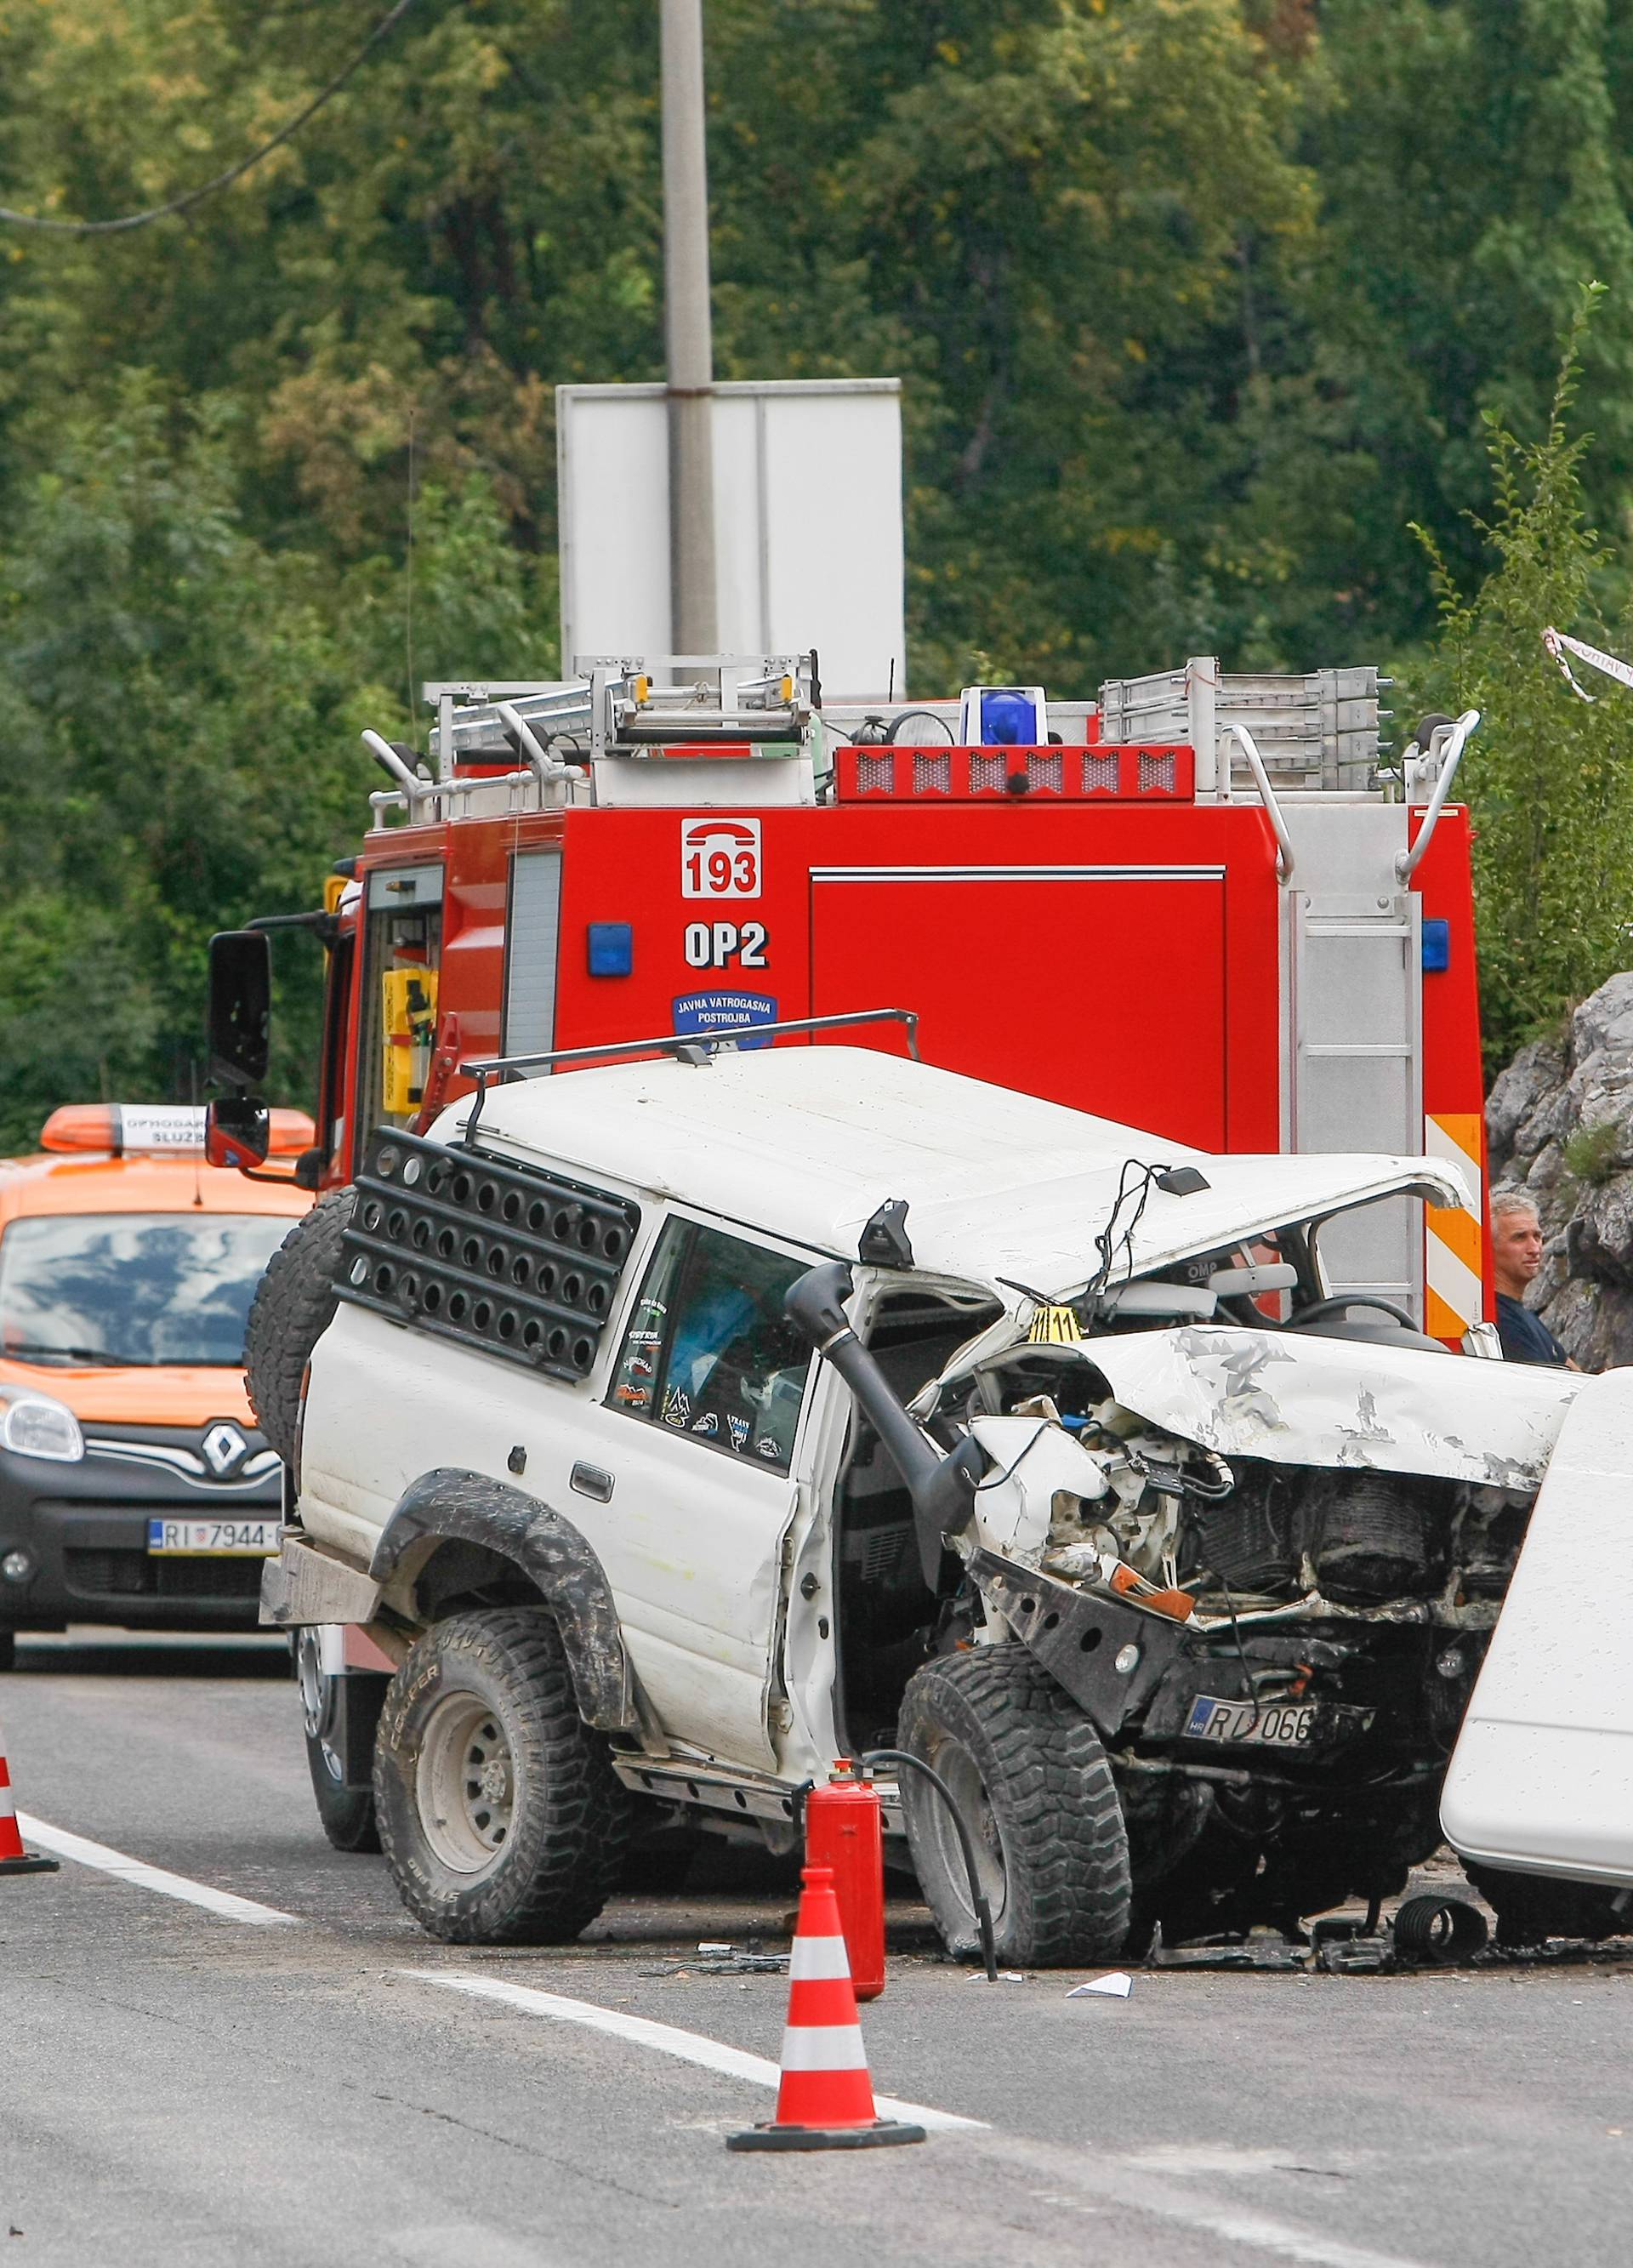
x: 1206, y: 903
x: 134, y: 1488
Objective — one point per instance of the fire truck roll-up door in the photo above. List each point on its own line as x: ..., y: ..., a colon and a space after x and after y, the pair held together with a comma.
x: 1016, y: 967
x: 532, y: 937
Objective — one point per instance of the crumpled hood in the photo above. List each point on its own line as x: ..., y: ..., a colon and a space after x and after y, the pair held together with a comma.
x: 1295, y: 1398
x: 1041, y: 1232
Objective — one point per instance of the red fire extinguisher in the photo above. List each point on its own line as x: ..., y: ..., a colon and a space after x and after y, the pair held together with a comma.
x: 844, y: 1830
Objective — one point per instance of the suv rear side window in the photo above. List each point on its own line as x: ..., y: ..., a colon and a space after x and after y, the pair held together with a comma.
x: 709, y: 1353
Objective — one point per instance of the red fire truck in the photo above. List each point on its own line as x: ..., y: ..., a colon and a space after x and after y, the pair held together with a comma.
x: 1204, y: 903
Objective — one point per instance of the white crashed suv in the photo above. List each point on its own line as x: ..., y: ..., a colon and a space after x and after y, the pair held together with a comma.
x: 691, y: 1422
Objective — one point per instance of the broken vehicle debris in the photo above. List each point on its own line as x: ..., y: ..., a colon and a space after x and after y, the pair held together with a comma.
x: 723, y: 1416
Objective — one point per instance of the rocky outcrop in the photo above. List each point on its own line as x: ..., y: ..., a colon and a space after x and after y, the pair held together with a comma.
x: 1560, y: 1125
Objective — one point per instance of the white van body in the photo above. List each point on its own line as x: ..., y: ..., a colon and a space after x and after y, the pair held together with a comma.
x: 1541, y: 1778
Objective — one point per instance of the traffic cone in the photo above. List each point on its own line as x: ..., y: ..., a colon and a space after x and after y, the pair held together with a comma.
x: 825, y: 2099
x: 14, y: 1858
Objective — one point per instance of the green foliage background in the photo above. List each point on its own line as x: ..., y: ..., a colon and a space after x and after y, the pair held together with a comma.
x: 1201, y: 305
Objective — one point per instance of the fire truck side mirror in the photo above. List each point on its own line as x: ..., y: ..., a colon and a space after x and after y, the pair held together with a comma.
x: 237, y: 1131
x: 240, y: 1003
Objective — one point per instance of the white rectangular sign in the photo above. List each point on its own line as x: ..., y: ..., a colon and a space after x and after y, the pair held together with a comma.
x: 160, y: 1126
x: 808, y: 530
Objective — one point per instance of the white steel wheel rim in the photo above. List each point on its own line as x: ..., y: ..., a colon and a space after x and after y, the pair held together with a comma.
x: 465, y: 1784
x: 310, y: 1682
x: 963, y: 1776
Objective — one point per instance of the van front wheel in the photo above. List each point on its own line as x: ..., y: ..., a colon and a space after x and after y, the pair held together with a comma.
x: 500, y: 1815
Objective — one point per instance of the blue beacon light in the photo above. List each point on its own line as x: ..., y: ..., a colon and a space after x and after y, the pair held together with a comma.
x: 1007, y: 721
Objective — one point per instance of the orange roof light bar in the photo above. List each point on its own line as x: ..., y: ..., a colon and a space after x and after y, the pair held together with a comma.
x: 124, y: 1129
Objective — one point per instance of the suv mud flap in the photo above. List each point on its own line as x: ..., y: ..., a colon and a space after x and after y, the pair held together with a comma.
x: 447, y: 1505
x: 1080, y: 1636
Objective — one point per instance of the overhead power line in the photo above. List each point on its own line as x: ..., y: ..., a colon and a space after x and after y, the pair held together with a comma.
x: 192, y: 197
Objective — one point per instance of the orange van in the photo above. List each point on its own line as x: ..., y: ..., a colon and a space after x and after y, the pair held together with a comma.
x: 134, y: 1486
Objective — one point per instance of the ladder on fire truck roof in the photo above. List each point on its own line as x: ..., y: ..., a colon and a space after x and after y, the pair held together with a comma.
x: 620, y: 704
x: 1317, y: 734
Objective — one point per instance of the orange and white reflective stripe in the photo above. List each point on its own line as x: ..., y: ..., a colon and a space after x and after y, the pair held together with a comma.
x: 10, y: 1836
x: 1454, y: 1291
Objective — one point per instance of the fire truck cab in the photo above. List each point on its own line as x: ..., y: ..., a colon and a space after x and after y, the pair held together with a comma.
x: 1207, y: 904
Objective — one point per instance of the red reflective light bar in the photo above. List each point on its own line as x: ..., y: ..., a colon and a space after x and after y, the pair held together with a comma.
x: 1131, y: 774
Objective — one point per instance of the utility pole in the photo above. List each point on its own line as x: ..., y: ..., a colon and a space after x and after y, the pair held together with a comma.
x: 688, y: 334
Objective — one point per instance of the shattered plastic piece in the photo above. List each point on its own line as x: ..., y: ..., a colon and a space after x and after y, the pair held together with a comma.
x: 720, y: 1959
x: 1117, y: 1985
x: 1260, y: 1954
x: 1355, y: 1957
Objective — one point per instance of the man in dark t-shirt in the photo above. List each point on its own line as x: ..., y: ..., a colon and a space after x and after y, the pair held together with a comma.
x: 1515, y: 1256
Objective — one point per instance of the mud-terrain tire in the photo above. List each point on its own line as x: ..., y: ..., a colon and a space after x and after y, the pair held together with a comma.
x: 293, y: 1305
x: 346, y: 1813
x: 500, y: 1815
x: 1032, y: 1780
x: 1531, y: 1908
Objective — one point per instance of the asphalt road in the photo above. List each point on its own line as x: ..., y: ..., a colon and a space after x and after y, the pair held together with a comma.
x: 181, y: 2087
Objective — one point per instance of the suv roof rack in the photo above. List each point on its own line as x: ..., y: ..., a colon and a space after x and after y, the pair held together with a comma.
x: 689, y: 1047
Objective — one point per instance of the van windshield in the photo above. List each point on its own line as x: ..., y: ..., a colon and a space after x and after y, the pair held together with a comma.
x: 132, y: 1288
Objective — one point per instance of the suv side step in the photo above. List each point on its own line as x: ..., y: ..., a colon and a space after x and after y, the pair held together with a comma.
x: 745, y: 1795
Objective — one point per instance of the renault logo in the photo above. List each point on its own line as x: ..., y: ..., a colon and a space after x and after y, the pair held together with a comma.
x: 225, y: 1448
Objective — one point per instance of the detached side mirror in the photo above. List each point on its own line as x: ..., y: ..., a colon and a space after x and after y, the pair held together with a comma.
x: 240, y: 1007
x: 237, y: 1131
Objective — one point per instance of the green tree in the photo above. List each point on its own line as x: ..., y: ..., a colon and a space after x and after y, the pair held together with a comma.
x: 1198, y: 304
x: 1473, y: 162
x: 181, y: 708
x: 1548, y: 778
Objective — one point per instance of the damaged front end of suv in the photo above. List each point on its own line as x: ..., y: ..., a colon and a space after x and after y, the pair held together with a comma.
x: 1215, y: 1554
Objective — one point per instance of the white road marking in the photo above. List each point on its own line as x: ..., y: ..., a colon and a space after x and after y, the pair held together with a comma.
x: 667, y: 2039
x: 1126, y: 2180
x: 1280, y: 2236
x: 227, y: 1904
x: 1099, y: 2175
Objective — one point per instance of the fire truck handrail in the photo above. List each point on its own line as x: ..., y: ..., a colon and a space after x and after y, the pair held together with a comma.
x: 485, y: 1068
x: 1457, y: 740
x: 545, y: 765
x: 1284, y: 843
x: 383, y: 753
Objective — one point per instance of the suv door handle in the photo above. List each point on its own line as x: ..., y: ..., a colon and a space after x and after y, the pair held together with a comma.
x: 590, y: 1480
